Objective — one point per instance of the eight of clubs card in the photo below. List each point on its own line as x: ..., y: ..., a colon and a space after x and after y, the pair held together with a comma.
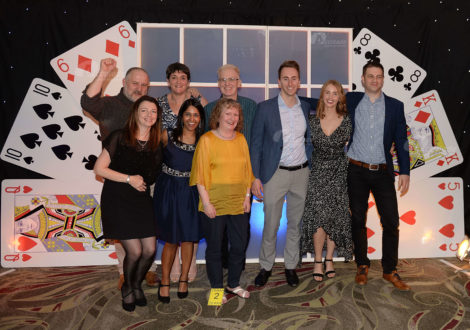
x: 401, y: 76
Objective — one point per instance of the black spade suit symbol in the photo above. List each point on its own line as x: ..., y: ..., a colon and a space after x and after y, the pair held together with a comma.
x: 62, y: 151
x: 43, y: 110
x: 74, y: 122
x: 52, y: 131
x: 28, y: 160
x: 89, y: 162
x: 31, y: 140
x: 56, y: 95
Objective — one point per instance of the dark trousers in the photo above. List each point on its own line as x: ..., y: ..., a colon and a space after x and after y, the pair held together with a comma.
x: 362, y: 181
x: 237, y: 235
x: 225, y: 240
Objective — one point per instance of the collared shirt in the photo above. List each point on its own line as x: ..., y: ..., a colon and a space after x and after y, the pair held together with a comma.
x: 367, y: 145
x: 293, y: 133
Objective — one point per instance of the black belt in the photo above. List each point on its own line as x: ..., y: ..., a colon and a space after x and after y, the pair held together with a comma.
x: 371, y: 167
x: 294, y: 168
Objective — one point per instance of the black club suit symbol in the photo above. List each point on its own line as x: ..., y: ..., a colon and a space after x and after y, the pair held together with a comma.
x: 373, y: 56
x: 407, y: 86
x: 357, y: 50
x: 396, y: 74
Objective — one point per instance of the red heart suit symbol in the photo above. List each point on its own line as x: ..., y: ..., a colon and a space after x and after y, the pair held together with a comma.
x: 370, y: 249
x: 371, y: 204
x: 447, y: 202
x: 25, y: 243
x: 113, y: 255
x: 442, y: 186
x: 443, y: 247
x: 448, y: 230
x: 25, y: 257
x: 27, y: 189
x: 409, y: 217
x: 370, y: 233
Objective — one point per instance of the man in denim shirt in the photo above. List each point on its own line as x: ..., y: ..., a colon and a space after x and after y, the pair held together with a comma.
x: 378, y: 122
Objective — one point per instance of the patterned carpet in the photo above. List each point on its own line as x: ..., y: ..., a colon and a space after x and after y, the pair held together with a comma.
x: 87, y: 298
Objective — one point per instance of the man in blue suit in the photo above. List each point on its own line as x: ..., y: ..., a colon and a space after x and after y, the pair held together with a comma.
x: 378, y: 122
x: 280, y: 152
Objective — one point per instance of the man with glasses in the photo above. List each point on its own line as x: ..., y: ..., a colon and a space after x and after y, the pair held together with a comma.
x: 229, y: 82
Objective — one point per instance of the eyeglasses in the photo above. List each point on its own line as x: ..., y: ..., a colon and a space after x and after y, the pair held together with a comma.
x: 230, y: 80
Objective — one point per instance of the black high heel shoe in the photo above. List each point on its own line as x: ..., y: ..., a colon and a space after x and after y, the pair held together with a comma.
x: 129, y: 306
x: 183, y: 294
x: 318, y: 274
x: 142, y: 301
x: 330, y: 271
x: 163, y: 299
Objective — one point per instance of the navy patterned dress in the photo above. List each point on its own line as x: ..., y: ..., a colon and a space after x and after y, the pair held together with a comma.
x: 174, y: 200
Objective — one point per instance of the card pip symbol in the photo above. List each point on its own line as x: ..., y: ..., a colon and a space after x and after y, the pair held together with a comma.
x: 112, y: 48
x: 131, y: 43
x: 84, y: 63
x: 448, y: 230
x: 422, y: 116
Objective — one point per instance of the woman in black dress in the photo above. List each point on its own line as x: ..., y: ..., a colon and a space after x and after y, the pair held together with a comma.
x: 129, y: 162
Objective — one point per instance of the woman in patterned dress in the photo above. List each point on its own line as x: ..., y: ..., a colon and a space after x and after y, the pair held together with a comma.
x: 326, y: 219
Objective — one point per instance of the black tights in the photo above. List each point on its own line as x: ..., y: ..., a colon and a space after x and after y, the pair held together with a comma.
x: 139, y: 257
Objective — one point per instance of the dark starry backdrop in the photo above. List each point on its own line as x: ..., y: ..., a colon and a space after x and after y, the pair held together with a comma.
x: 435, y: 34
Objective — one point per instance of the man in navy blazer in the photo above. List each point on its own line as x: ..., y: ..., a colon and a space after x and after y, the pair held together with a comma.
x: 280, y: 152
x: 378, y: 122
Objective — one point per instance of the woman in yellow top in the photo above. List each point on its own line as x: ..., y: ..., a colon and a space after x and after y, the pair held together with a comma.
x: 221, y: 170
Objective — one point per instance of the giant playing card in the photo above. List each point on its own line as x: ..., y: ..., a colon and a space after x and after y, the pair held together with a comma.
x: 52, y: 223
x: 78, y: 66
x: 431, y: 220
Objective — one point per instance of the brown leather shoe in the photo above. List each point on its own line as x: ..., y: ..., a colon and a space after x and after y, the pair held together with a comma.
x: 361, y: 275
x: 151, y: 278
x: 395, y: 279
x: 121, y: 281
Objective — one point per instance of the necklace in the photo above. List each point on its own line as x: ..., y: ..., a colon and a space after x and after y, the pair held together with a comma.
x: 231, y: 137
x: 142, y: 144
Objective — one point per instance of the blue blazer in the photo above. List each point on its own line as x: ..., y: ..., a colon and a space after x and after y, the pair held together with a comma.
x: 266, y: 139
x: 394, y: 130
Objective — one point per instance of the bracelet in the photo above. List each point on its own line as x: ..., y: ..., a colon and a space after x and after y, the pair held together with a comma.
x: 248, y: 195
x: 128, y: 180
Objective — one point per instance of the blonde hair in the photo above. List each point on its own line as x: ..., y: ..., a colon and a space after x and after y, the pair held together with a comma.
x: 340, y: 106
x: 225, y: 103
